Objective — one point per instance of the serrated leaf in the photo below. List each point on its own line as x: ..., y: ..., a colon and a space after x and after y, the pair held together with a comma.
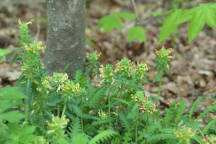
x: 201, y: 15
x: 170, y: 25
x: 211, y: 17
x: 126, y: 15
x: 110, y: 22
x: 136, y: 33
x: 196, y: 24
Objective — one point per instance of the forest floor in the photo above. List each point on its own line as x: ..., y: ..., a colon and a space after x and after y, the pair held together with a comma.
x: 193, y: 67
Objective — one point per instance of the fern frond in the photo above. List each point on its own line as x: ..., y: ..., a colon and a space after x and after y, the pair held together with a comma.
x: 80, y: 138
x: 193, y: 108
x: 205, y: 112
x: 103, y: 136
x: 120, y: 100
x: 75, y: 127
x: 198, y: 139
x: 169, y: 114
x: 210, y: 124
x: 95, y: 97
x: 180, y: 112
x: 94, y: 125
x: 77, y: 110
x: 160, y: 137
x: 125, y: 123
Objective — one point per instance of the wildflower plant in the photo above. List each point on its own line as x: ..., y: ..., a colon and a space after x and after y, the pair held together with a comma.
x: 102, y: 104
x: 162, y: 64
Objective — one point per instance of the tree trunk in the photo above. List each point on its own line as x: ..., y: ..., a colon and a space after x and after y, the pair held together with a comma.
x: 65, y: 36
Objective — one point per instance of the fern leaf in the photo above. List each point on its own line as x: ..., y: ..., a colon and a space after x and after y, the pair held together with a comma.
x: 75, y: 127
x: 96, y: 97
x: 170, y: 114
x: 193, y: 108
x: 180, y: 112
x: 210, y: 124
x: 125, y: 123
x: 159, y: 137
x: 205, y: 112
x: 80, y: 138
x: 103, y: 136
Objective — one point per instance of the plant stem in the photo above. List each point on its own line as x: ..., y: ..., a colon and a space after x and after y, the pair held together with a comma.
x: 137, y: 123
x: 81, y: 117
x: 133, y: 4
x: 28, y: 100
x: 63, y: 111
x: 109, y: 110
x: 26, y: 112
x: 159, y: 88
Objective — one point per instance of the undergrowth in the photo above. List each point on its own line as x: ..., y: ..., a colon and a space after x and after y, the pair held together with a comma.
x: 105, y: 104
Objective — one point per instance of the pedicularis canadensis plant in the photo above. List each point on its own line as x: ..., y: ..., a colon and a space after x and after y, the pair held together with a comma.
x: 104, y: 104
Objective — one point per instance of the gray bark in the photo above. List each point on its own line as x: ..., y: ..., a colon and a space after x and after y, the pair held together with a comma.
x: 65, y: 35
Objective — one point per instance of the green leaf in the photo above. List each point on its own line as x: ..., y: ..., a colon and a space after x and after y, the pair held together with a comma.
x: 136, y: 33
x: 170, y: 25
x: 211, y: 124
x: 3, y: 53
x: 201, y: 15
x: 103, y: 136
x: 80, y: 138
x: 196, y: 24
x: 20, y: 134
x: 11, y: 93
x: 126, y: 15
x: 110, y: 22
x: 211, y: 17
x: 12, y: 116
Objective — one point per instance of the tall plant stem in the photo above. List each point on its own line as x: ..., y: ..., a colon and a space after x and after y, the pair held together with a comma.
x: 137, y: 123
x: 133, y: 4
x: 28, y: 100
x: 159, y: 88
x: 109, y: 109
x: 81, y: 117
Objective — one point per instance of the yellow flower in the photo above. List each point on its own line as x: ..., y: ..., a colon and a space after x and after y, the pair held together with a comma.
x: 163, y: 53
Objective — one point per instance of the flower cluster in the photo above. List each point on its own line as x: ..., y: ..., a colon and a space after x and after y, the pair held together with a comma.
x: 24, y: 32
x: 164, y: 53
x: 140, y: 73
x: 70, y: 87
x: 184, y: 134
x: 124, y: 70
x: 163, y: 57
x: 106, y: 73
x: 146, y: 106
x: 34, y: 47
x: 124, y: 66
x: 31, y: 60
x: 102, y: 114
x: 59, y: 82
x: 57, y: 125
x: 93, y: 57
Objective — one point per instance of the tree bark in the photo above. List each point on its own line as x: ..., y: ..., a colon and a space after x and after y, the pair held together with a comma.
x: 65, y: 36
